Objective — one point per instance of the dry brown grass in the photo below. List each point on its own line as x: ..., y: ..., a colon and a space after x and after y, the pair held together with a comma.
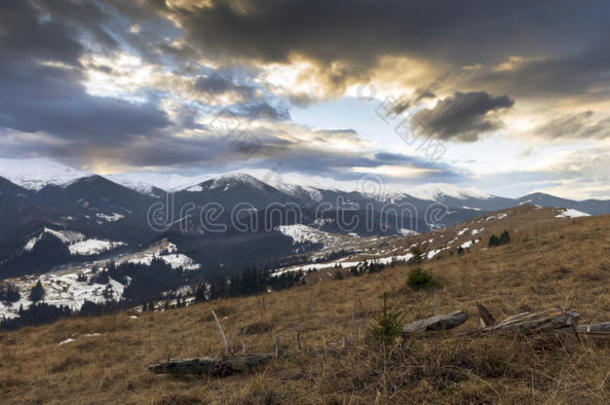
x: 564, y: 262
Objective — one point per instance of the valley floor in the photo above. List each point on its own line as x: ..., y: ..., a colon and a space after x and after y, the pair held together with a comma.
x: 564, y: 262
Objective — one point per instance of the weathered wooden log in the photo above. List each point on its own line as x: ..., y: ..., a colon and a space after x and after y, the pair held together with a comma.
x: 436, y: 323
x: 594, y: 329
x: 530, y: 323
x: 553, y: 318
x: 212, y: 365
x: 516, y: 317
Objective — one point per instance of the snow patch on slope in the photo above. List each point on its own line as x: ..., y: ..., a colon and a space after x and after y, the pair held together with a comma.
x: 469, y: 243
x: 571, y: 213
x: 63, y: 289
x: 92, y: 247
x: 64, y: 236
x: 302, y: 233
x: 110, y: 218
x: 408, y: 232
x: 176, y: 260
x: 170, y: 256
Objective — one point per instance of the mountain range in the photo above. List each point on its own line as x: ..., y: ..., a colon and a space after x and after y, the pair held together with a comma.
x: 222, y: 223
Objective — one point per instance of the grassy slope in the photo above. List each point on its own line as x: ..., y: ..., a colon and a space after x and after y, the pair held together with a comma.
x: 565, y: 262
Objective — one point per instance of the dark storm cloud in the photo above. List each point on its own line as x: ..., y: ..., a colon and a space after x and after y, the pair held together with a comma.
x: 580, y: 72
x: 361, y: 30
x: 85, y: 16
x: 41, y: 80
x: 24, y: 37
x: 407, y: 102
x: 463, y: 116
x: 563, y: 43
x: 218, y: 83
x: 253, y: 102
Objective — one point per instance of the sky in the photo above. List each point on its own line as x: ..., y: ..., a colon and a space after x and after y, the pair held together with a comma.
x: 509, y: 97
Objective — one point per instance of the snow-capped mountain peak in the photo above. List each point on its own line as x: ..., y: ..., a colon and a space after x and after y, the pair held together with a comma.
x: 229, y: 182
x: 435, y: 191
x: 237, y: 178
x: 35, y: 174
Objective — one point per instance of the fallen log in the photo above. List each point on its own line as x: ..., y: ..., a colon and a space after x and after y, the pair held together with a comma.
x: 595, y: 329
x: 213, y: 366
x: 436, y: 323
x: 531, y: 323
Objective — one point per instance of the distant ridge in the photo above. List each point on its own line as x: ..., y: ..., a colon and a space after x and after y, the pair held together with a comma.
x: 36, y: 174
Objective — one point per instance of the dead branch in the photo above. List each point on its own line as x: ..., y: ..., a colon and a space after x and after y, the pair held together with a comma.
x: 222, y: 333
x: 278, y: 348
x: 354, y: 325
x: 299, y: 345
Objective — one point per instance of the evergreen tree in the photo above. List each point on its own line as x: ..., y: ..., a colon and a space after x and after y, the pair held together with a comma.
x: 108, y: 293
x: 9, y: 292
x: 37, y: 293
x: 387, y: 325
x: 418, y: 253
x: 200, y: 293
x: 504, y: 238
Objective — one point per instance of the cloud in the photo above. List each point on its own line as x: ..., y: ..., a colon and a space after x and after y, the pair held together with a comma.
x: 220, y: 82
x: 78, y: 83
x: 462, y: 117
x: 41, y: 86
x: 358, y: 30
x: 578, y: 73
x: 407, y: 102
x: 574, y: 126
x: 347, y: 38
x: 334, y: 153
x: 263, y: 110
